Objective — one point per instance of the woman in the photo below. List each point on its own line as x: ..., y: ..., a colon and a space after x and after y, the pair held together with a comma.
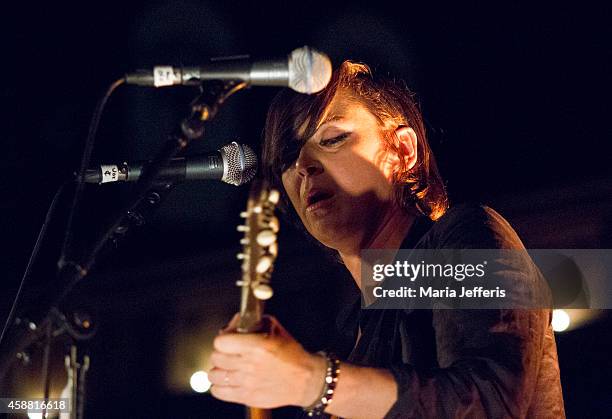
x: 355, y: 170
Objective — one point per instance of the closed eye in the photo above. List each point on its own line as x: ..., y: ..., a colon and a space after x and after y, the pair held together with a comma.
x: 330, y: 142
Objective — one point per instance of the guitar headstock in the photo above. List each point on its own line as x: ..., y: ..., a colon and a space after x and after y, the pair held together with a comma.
x: 258, y: 254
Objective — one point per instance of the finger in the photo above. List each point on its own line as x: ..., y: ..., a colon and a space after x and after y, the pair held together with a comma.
x: 232, y: 325
x: 223, y: 378
x: 227, y: 393
x: 240, y: 344
x: 226, y: 361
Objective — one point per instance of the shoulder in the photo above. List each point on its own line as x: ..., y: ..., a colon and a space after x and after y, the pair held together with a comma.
x: 471, y: 226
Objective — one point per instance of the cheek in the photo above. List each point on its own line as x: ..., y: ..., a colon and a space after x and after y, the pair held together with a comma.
x: 358, y: 176
x: 368, y: 163
x: 291, y: 188
x: 382, y: 159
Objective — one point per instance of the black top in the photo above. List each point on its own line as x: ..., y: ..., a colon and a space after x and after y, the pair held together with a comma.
x: 461, y: 363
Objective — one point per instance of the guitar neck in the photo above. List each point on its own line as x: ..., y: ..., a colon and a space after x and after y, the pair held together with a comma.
x: 251, y: 312
x: 256, y: 413
x: 259, y: 253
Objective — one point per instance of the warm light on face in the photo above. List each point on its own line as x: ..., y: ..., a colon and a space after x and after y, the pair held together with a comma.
x: 199, y: 382
x: 560, y: 320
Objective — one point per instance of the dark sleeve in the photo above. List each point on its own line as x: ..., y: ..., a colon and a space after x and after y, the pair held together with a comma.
x: 488, y: 359
x: 488, y: 366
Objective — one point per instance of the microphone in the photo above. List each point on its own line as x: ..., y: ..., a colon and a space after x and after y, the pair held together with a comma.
x: 305, y: 70
x: 234, y: 163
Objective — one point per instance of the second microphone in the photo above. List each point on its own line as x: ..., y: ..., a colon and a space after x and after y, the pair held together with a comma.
x: 234, y: 163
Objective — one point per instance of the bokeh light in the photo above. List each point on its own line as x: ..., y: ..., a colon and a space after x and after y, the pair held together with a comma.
x: 560, y: 320
x: 199, y: 382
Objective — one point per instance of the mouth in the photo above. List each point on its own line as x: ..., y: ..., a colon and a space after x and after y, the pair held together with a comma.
x: 318, y: 199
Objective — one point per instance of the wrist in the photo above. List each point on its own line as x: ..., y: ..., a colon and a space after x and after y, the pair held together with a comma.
x: 314, y: 379
x: 326, y: 394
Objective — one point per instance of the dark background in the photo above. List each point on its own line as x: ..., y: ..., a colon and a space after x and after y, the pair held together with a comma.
x: 516, y: 97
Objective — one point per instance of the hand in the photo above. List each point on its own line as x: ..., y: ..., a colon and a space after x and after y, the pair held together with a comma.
x: 264, y: 370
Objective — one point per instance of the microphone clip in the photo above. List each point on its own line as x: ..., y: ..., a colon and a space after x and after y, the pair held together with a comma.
x: 206, y: 105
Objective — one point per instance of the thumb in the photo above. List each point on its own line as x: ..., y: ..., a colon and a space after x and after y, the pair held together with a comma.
x: 274, y: 328
x: 231, y: 326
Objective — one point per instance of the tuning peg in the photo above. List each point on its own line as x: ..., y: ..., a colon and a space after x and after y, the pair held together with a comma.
x: 257, y: 209
x: 241, y: 256
x: 266, y: 238
x: 242, y: 228
x: 244, y: 214
x: 274, y: 224
x: 262, y: 291
x: 273, y: 249
x: 244, y: 241
x: 274, y: 196
x: 240, y: 283
x: 264, y: 264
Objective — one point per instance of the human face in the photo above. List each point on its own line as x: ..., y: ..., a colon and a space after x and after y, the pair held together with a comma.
x: 340, y: 185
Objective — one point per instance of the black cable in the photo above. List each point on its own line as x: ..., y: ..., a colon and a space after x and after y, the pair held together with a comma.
x: 80, y: 180
x: 33, y: 256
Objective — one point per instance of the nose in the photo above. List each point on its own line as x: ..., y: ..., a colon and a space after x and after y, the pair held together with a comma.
x: 307, y: 164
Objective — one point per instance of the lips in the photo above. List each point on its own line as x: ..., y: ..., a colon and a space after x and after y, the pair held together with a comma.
x: 317, y: 198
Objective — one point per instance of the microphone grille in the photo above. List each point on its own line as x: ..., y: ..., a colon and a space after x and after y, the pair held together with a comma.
x: 240, y: 163
x: 309, y: 70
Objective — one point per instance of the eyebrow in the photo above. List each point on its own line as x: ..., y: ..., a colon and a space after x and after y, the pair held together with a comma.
x: 331, y: 118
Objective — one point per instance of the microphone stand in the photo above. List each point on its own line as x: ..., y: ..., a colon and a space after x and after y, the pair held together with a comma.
x: 149, y: 193
x: 75, y: 386
x: 80, y: 329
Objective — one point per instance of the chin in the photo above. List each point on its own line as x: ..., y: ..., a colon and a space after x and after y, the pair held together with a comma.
x: 333, y: 236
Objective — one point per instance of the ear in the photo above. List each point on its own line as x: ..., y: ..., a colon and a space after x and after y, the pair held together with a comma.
x: 407, y: 145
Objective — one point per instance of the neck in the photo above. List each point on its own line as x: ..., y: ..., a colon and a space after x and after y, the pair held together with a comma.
x: 389, y: 235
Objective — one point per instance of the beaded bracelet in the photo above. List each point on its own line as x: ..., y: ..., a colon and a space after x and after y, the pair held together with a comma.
x: 329, y: 385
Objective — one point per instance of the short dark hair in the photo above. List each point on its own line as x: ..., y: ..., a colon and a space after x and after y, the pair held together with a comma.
x: 390, y: 101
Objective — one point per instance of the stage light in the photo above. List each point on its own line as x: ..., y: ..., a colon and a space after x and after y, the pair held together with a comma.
x: 199, y: 382
x: 560, y: 320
